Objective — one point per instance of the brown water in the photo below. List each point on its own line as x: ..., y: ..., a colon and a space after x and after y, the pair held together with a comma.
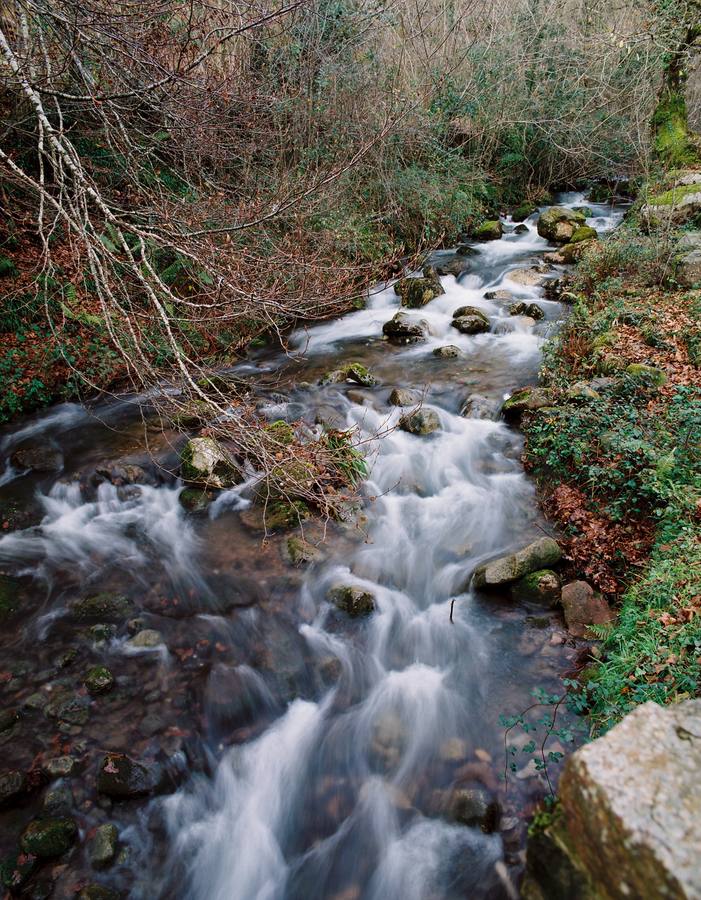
x: 305, y: 755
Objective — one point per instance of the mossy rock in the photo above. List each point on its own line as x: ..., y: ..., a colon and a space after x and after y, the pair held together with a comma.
x: 355, y: 372
x: 470, y: 320
x: 405, y: 329
x: 543, y: 587
x: 195, y: 500
x: 195, y: 414
x: 300, y: 552
x: 522, y: 212
x: 103, y: 607
x: 518, y: 309
x: 203, y: 460
x: 420, y: 422
x: 353, y: 601
x: 584, y: 233
x: 417, y: 292
x: 525, y: 400
x: 558, y: 224
x: 49, y: 837
x: 99, y: 680
x: 648, y: 373
x: 491, y: 230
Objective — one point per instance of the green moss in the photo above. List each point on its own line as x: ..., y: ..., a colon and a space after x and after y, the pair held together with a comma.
x: 281, y: 433
x: 489, y: 231
x: 649, y: 373
x: 7, y: 267
x: 673, y: 196
x: 672, y: 144
x: 584, y: 233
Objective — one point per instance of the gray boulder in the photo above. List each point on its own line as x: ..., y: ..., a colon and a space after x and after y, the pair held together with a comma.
x: 540, y: 554
x: 417, y: 292
x: 447, y: 352
x: 404, y: 397
x: 631, y: 811
x: 479, y: 407
x: 688, y: 272
x: 470, y: 320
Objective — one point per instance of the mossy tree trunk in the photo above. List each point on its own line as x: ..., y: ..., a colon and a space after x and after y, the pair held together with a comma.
x: 672, y: 142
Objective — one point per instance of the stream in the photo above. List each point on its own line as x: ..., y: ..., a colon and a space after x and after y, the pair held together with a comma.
x: 303, y: 754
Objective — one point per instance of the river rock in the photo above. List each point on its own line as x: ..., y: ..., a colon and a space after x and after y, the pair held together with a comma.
x: 491, y: 230
x: 38, y: 458
x: 98, y: 680
x: 541, y: 587
x: 474, y: 807
x: 448, y: 352
x: 470, y: 320
x: 49, y: 837
x: 417, y: 292
x: 58, y: 800
x: 500, y: 296
x: 480, y: 407
x: 518, y: 309
x: 583, y: 233
x: 558, y: 224
x: 122, y: 778
x: 203, y: 460
x: 195, y: 500
x: 120, y: 473
x: 525, y: 400
x: 404, y: 397
x: 405, y: 329
x: 298, y: 551
x: 355, y: 372
x: 12, y: 785
x: 420, y: 422
x: 148, y: 639
x: 59, y: 766
x: 539, y: 555
x: 583, y: 607
x: 531, y: 277
x: 103, y: 607
x: 352, y: 600
x: 454, y: 265
x: 523, y: 211
x: 631, y: 811
x: 103, y: 847
x: 674, y: 208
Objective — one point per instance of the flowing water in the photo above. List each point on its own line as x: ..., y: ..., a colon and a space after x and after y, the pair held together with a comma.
x: 308, y: 755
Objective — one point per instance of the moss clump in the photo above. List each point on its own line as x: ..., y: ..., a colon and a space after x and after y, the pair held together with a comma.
x: 281, y: 432
x: 353, y: 601
x: 523, y: 211
x: 7, y: 267
x: 674, y: 196
x: 649, y: 373
x: 584, y: 233
x: 672, y: 144
x: 355, y: 371
x: 489, y: 231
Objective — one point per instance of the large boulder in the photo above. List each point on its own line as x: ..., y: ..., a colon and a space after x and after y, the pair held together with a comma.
x: 558, y: 224
x: 673, y: 208
x: 540, y: 554
x: 417, y: 292
x: 631, y: 811
x: 688, y: 272
x: 203, y: 460
x: 525, y: 400
x: 405, y: 329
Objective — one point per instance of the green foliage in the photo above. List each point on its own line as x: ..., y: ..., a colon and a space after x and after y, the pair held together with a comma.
x: 346, y: 458
x: 654, y: 652
x: 672, y: 144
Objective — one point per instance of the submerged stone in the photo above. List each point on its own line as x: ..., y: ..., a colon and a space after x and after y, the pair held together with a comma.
x: 12, y: 785
x: 147, y: 639
x: 98, y: 680
x: 476, y: 808
x: 122, y: 778
x: 38, y: 459
x: 49, y: 837
x: 103, y: 607
x: 103, y: 847
x: 543, y: 587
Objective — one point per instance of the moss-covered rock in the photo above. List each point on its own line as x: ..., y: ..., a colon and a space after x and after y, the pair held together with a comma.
x: 103, y: 847
x: 542, y: 586
x: 99, y: 680
x: 584, y: 233
x: 195, y: 500
x: 647, y: 373
x: 298, y: 551
x: 277, y: 515
x: 541, y: 554
x: 203, y: 460
x: 523, y: 211
x: 49, y: 837
x: 353, y: 601
x: 525, y: 400
x: 491, y: 230
x: 355, y: 372
x: 476, y: 808
x: 417, y: 292
x: 558, y: 224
